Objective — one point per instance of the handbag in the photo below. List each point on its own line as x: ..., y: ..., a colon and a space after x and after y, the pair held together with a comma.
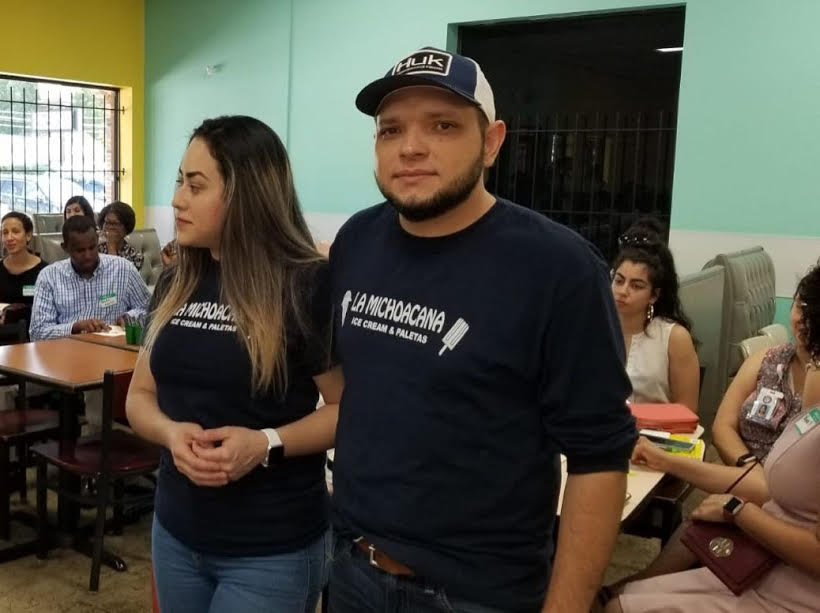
x: 733, y: 556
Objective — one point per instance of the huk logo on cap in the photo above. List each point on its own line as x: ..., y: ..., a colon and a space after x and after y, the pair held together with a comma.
x: 424, y: 62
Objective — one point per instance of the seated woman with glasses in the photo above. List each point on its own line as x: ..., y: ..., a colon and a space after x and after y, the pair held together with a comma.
x: 117, y: 221
x: 777, y: 506
x: 661, y: 361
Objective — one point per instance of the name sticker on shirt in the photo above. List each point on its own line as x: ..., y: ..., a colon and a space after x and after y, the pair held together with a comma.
x: 108, y: 300
x: 808, y: 421
x: 28, y: 291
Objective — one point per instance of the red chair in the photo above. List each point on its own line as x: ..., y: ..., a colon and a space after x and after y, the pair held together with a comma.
x: 109, y: 458
x: 19, y: 428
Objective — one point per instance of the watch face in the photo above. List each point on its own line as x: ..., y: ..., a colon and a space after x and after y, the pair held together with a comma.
x: 275, y: 455
x: 733, y: 505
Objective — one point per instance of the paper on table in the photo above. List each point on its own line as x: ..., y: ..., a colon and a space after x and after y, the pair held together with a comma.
x: 112, y: 331
x: 681, y: 437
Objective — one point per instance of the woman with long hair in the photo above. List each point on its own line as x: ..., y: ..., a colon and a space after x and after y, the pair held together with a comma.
x: 235, y: 356
x: 661, y: 360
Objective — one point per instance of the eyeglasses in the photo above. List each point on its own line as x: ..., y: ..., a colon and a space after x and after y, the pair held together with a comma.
x: 112, y: 224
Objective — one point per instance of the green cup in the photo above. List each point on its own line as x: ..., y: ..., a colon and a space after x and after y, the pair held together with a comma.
x: 130, y: 334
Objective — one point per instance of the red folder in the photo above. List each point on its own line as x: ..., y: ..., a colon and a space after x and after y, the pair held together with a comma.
x: 674, y: 418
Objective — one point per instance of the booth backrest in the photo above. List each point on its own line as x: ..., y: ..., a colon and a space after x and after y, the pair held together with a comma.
x: 702, y: 296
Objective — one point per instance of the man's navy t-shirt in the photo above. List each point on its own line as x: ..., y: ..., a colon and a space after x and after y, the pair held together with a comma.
x: 471, y: 361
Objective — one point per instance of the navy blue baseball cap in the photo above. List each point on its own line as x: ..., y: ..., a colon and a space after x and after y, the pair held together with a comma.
x: 432, y: 67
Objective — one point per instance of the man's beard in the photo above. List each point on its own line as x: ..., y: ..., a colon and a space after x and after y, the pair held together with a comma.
x: 446, y: 199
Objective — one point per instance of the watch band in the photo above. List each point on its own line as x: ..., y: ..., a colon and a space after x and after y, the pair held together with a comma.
x: 745, y: 459
x: 276, y: 450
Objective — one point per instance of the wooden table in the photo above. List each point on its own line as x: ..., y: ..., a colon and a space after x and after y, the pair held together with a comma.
x: 109, y: 341
x: 64, y: 363
x: 68, y: 366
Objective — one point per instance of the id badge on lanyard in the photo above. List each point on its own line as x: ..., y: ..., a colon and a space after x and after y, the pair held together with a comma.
x: 768, y: 409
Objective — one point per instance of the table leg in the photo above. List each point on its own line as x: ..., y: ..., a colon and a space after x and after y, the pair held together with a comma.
x: 68, y: 512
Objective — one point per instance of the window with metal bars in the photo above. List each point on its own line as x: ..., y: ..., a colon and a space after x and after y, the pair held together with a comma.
x: 593, y: 172
x: 57, y: 140
x: 590, y: 104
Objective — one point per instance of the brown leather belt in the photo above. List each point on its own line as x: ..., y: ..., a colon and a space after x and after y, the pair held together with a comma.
x: 381, y: 560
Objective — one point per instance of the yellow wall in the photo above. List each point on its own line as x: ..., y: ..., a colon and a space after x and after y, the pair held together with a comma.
x: 91, y: 41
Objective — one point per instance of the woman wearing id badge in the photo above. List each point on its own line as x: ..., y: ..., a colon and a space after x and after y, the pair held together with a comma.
x: 764, y: 395
x: 777, y: 506
x: 19, y: 268
x: 235, y: 356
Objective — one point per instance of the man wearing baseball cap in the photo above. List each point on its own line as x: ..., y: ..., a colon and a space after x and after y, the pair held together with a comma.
x: 479, y: 342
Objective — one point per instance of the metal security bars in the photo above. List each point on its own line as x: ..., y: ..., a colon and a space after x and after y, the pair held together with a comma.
x: 594, y: 172
x: 57, y: 140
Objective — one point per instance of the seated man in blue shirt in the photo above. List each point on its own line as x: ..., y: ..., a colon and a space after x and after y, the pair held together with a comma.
x: 86, y: 292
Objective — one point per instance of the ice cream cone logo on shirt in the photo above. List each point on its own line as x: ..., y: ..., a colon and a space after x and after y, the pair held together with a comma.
x: 454, y: 335
x: 348, y: 297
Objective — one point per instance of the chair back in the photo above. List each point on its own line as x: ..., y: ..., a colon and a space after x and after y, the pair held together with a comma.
x: 13, y: 334
x: 750, y: 346
x: 50, y: 247
x: 48, y: 223
x: 702, y: 296
x: 776, y: 332
x: 115, y: 392
x: 750, y: 299
x: 146, y: 242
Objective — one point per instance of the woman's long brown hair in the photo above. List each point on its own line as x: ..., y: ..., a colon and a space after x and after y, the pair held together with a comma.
x: 267, y: 255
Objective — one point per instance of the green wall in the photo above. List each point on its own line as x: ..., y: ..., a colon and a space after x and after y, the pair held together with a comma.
x: 747, y: 143
x: 748, y: 151
x: 249, y: 40
x: 782, y: 314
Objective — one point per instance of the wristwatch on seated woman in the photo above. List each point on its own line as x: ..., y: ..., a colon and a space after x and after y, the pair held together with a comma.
x: 745, y: 459
x: 733, y: 507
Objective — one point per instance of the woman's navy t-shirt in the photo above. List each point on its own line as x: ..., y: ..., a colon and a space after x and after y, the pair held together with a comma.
x: 203, y: 375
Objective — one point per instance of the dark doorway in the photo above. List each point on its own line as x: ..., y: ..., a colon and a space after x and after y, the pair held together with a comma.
x: 591, y: 110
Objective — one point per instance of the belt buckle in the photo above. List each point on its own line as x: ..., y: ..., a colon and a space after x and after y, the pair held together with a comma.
x: 371, y: 551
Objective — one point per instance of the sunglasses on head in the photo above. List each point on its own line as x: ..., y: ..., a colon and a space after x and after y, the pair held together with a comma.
x: 635, y: 240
